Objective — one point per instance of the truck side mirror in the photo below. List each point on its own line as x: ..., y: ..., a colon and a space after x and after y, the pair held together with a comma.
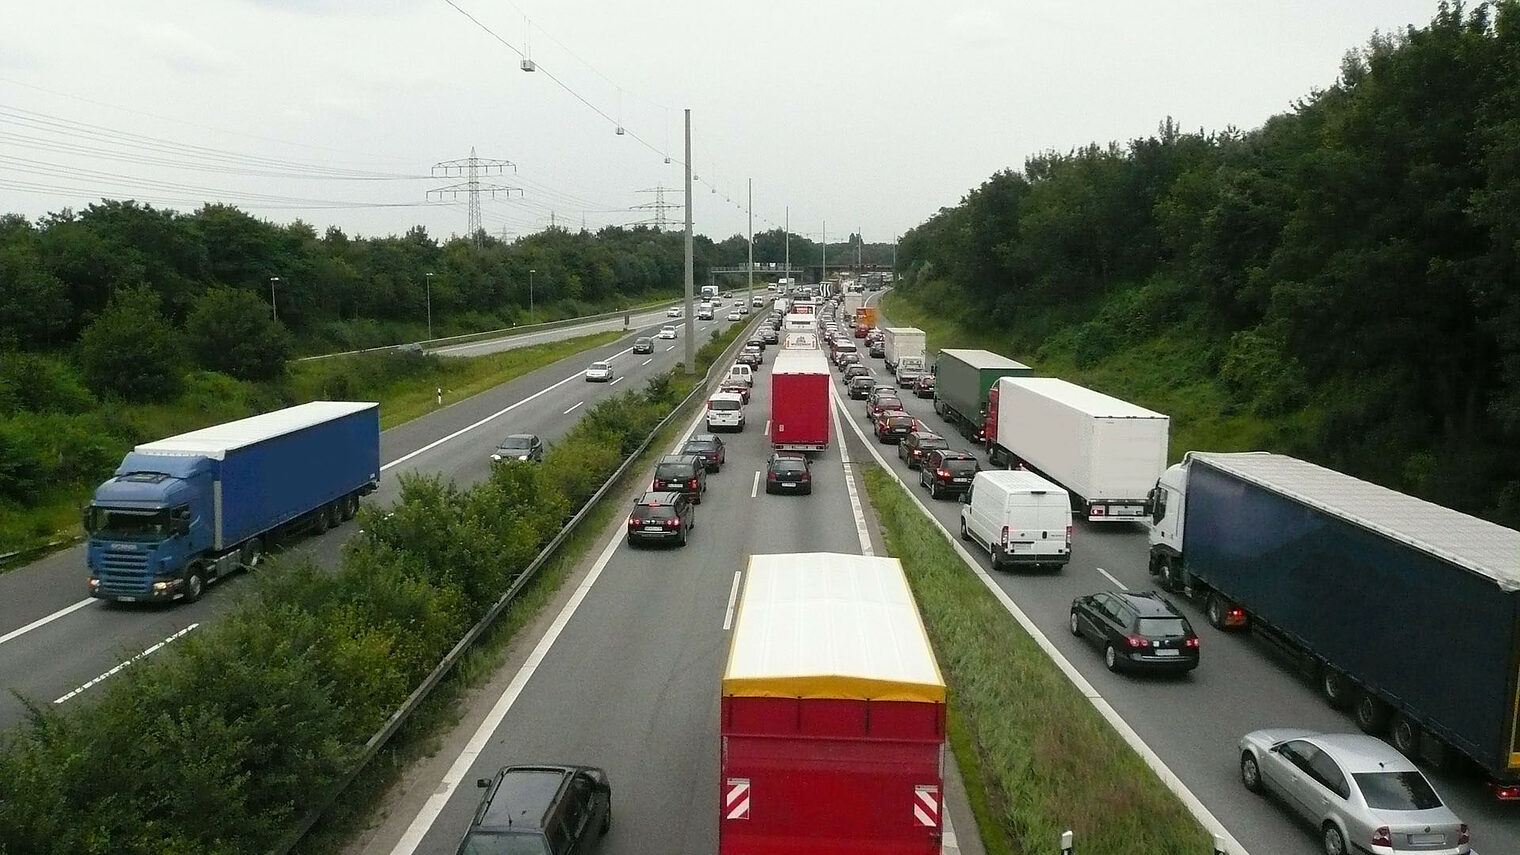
x: 87, y: 520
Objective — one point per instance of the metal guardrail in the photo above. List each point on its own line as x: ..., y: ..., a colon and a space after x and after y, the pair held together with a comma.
x: 380, y: 738
x: 41, y: 547
x: 504, y: 332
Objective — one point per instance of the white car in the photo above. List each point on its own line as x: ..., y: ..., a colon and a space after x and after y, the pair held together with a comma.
x: 734, y: 315
x: 599, y: 372
x: 667, y: 331
x: 758, y: 302
x: 743, y: 309
x: 673, y: 312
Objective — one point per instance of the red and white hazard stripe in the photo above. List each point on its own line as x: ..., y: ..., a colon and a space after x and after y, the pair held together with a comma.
x: 736, y: 799
x: 926, y: 805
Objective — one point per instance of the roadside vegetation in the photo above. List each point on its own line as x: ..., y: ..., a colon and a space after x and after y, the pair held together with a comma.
x: 1338, y: 284
x: 221, y: 743
x: 1038, y: 759
x: 60, y: 441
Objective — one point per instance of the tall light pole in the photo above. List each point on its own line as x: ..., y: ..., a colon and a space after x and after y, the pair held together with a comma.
x: 825, y: 255
x: 429, y: 278
x: 531, y: 271
x: 691, y: 324
x: 788, y: 244
x: 750, y: 296
x: 273, y: 309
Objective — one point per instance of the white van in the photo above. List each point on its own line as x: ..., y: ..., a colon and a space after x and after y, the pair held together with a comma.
x: 1019, y: 518
x: 742, y: 373
x: 725, y: 410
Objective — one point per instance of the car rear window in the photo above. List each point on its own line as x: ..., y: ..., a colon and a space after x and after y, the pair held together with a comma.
x: 723, y: 405
x: 900, y: 421
x: 1161, y: 627
x: 1396, y: 790
x: 788, y: 465
x: 672, y: 470
x: 960, y: 465
x: 700, y: 446
x: 887, y: 401
x: 932, y: 442
x: 653, y: 512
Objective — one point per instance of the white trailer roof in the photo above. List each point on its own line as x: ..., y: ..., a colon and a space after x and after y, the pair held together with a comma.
x: 217, y: 440
x: 1085, y: 400
x: 790, y: 360
x: 983, y: 359
x: 830, y: 625
x: 1482, y: 547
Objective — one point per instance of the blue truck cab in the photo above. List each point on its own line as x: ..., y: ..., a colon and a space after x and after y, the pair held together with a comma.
x: 181, y: 512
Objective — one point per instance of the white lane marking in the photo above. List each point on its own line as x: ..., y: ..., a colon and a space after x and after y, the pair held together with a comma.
x: 617, y: 381
x: 767, y: 428
x: 501, y: 412
x: 733, y: 597
x: 669, y: 349
x: 754, y: 489
x: 44, y: 621
x: 572, y: 409
x: 647, y: 361
x: 849, y: 485
x: 423, y: 822
x: 1205, y: 817
x: 146, y: 653
x: 1110, y: 577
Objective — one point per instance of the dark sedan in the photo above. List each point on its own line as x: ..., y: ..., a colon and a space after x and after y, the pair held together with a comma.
x: 924, y: 388
x: 946, y: 472
x: 738, y: 387
x: 881, y: 404
x: 918, y: 443
x: 1136, y: 630
x: 709, y: 448
x: 861, y: 386
x: 750, y: 357
x: 892, y: 427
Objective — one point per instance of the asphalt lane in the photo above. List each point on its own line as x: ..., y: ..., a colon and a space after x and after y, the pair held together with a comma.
x: 48, y: 662
x: 1194, y: 723
x: 631, y: 684
x: 653, y: 317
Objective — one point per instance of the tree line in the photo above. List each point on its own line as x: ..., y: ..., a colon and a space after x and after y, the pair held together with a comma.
x: 1351, y: 264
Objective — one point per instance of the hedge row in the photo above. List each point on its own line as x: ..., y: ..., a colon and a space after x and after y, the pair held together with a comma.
x: 219, y: 745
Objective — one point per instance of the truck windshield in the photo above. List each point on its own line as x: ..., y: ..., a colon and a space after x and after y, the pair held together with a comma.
x: 119, y: 524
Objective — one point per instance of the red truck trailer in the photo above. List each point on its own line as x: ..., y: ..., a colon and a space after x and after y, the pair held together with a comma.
x: 833, y: 713
x: 800, y: 400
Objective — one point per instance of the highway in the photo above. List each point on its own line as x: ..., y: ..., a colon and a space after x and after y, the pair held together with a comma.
x: 631, y: 680
x: 652, y: 318
x: 54, y: 641
x: 1194, y: 724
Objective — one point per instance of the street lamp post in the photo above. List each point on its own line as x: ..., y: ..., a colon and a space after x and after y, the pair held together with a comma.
x: 531, y: 271
x: 429, y: 278
x: 273, y: 309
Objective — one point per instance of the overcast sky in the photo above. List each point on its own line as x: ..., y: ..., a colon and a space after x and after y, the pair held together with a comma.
x: 868, y: 115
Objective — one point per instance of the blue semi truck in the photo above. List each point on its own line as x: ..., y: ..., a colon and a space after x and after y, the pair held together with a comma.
x: 1404, y: 612
x: 181, y: 512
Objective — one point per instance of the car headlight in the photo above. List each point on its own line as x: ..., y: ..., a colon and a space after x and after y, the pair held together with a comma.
x: 522, y: 457
x: 496, y: 457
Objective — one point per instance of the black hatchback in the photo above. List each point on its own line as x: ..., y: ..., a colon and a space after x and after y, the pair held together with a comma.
x: 661, y: 516
x: 709, y: 447
x: 540, y: 809
x: 946, y: 472
x: 788, y: 473
x: 1136, y: 630
x: 681, y: 473
x: 861, y: 386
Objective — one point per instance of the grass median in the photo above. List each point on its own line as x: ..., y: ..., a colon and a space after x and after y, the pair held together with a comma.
x: 1041, y: 756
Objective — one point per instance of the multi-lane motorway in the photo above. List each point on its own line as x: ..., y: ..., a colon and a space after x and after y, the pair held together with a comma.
x: 58, y: 645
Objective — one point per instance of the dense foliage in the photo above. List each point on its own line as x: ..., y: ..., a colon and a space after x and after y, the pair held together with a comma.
x: 1350, y: 267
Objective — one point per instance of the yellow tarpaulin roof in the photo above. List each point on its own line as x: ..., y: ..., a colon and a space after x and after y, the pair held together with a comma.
x: 830, y: 625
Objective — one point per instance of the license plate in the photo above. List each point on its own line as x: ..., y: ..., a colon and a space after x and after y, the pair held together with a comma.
x: 1126, y: 511
x: 1167, y: 651
x: 785, y: 484
x: 962, y: 480
x: 1427, y: 839
x: 1022, y: 547
x: 654, y: 528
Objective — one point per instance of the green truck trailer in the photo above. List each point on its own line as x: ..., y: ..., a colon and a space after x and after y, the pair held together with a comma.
x: 962, y: 380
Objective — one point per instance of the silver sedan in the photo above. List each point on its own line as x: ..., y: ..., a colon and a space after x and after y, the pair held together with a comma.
x: 1360, y: 792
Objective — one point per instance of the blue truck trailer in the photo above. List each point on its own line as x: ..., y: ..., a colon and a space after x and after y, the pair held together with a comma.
x: 181, y: 512
x: 1406, y: 613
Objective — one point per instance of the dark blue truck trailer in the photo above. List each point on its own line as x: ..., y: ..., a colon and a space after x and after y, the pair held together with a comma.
x: 1408, y: 613
x: 182, y: 512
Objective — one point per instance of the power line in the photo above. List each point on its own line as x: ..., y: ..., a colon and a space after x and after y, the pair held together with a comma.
x: 472, y: 168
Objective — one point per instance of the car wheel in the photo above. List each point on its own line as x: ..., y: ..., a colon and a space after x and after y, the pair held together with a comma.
x: 1335, y: 844
x: 1336, y: 689
x: 1110, y: 658
x: 933, y: 491
x: 1250, y: 772
x: 1075, y: 629
x: 1371, y: 714
x: 194, y: 584
x: 1406, y: 736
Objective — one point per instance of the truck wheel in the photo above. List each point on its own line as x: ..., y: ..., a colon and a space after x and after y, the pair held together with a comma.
x: 1168, y: 573
x: 1336, y: 689
x: 251, y: 554
x: 335, y: 513
x: 1406, y: 736
x: 1371, y: 714
x: 939, y: 409
x: 350, y: 507
x: 194, y: 584
x: 320, y: 521
x: 1215, y: 610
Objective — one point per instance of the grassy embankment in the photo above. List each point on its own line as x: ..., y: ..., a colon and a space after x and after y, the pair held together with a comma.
x: 1152, y: 363
x: 405, y: 384
x: 1037, y: 757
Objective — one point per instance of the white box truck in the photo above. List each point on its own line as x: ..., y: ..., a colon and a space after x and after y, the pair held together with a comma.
x: 899, y: 343
x: 1107, y: 453
x: 852, y: 301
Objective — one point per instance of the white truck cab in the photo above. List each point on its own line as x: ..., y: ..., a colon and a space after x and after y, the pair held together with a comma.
x: 1020, y: 518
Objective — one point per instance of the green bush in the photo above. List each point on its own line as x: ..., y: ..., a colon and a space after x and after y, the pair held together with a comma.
x: 230, y: 331
x: 132, y: 350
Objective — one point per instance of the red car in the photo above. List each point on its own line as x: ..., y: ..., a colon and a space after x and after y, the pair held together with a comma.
x: 737, y: 387
x: 892, y: 427
x: 882, y: 404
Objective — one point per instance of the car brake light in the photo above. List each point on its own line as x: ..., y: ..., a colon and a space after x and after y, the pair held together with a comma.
x: 1507, y: 793
x: 673, y: 522
x: 1096, y: 510
x: 943, y: 473
x: 1138, y: 641
x: 1381, y: 837
x: 692, y: 483
x: 804, y: 477
x: 770, y: 476
x: 1192, y: 642
x: 634, y: 521
x: 1462, y: 838
x: 1068, y: 536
